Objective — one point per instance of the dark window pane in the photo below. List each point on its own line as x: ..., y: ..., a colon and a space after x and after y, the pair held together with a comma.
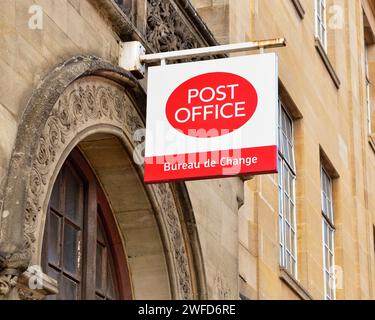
x: 125, y: 5
x: 69, y: 289
x: 111, y: 288
x: 72, y: 249
x: 99, y: 267
x: 55, y: 275
x: 54, y: 241
x: 100, y: 233
x: 73, y: 205
x: 64, y: 259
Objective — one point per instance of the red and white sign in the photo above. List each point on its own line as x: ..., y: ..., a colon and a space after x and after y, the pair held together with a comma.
x: 212, y: 119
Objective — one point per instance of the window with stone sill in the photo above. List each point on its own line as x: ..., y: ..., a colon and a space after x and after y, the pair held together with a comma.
x: 328, y: 236
x: 369, y: 61
x: 286, y: 188
x: 368, y: 96
x: 321, y: 34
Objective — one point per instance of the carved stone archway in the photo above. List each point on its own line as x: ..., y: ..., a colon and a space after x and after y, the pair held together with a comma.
x: 66, y: 108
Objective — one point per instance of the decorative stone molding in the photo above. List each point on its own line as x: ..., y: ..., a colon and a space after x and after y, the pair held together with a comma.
x: 167, y: 204
x: 166, y: 30
x: 82, y: 95
x: 13, y: 192
x: 176, y: 22
x: 90, y: 102
x: 87, y: 102
x: 11, y: 266
x: 8, y: 280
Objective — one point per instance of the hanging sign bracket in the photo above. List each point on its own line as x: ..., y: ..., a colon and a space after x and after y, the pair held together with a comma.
x: 133, y: 55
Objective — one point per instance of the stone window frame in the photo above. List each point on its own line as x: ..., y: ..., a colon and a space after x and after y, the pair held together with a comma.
x: 328, y: 233
x: 368, y: 42
x: 328, y: 170
x: 287, y: 164
x: 321, y: 45
x: 321, y: 22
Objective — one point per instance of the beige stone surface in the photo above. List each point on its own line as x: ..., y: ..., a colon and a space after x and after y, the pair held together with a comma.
x: 134, y: 215
x: 215, y: 204
x: 334, y: 120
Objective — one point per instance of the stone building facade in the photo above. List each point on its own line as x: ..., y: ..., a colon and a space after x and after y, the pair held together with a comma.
x: 326, y: 90
x: 76, y: 220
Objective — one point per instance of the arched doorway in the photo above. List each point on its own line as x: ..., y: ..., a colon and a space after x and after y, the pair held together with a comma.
x: 82, y: 247
x: 90, y: 104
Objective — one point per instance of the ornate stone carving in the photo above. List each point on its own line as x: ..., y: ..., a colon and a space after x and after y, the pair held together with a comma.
x: 166, y: 31
x: 7, y: 282
x: 25, y: 294
x: 12, y: 266
x: 90, y: 102
x: 165, y: 197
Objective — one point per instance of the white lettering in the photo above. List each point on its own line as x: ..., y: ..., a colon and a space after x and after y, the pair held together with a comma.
x: 238, y: 109
x: 222, y: 111
x: 187, y: 115
x: 211, y: 112
x: 190, y: 95
x: 223, y: 94
x: 195, y: 113
x: 227, y: 161
x: 212, y: 96
x: 232, y: 86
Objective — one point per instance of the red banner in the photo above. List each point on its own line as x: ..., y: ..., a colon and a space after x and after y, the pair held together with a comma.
x: 212, y: 164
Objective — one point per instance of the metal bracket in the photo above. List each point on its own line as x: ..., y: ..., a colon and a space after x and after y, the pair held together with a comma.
x: 129, y: 58
x: 133, y: 55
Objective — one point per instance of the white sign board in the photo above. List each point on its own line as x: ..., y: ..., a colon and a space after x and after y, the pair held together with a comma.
x: 212, y: 118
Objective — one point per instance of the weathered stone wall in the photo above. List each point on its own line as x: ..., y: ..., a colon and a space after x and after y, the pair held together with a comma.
x: 332, y: 119
x: 69, y: 28
x: 229, y: 20
x: 74, y: 27
x: 215, y: 204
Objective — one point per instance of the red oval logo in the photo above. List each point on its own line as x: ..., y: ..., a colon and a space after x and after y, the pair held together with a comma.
x: 211, y: 104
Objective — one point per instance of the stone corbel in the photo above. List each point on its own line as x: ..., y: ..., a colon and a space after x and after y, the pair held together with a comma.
x: 12, y: 265
x: 32, y: 284
x: 35, y: 285
x: 8, y: 280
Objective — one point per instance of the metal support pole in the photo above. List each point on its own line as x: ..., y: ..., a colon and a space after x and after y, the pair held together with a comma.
x: 134, y: 59
x: 208, y: 51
